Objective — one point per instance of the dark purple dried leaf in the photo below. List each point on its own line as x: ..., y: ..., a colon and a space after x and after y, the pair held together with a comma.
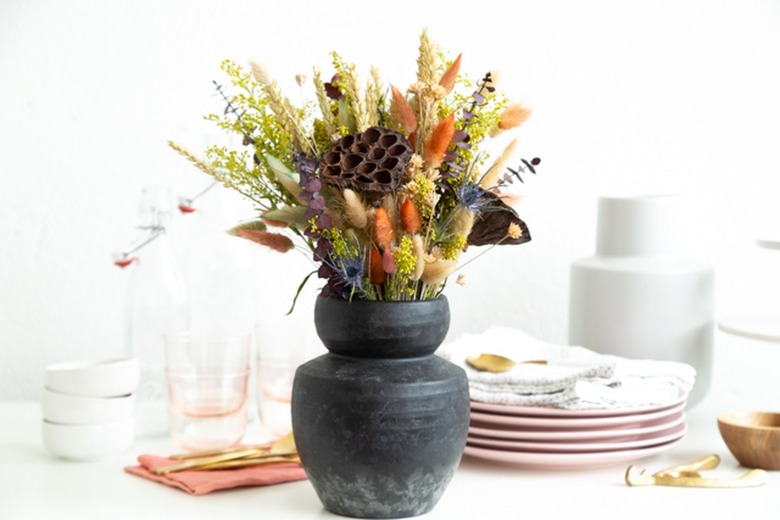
x: 492, y: 222
x: 333, y: 91
x: 313, y: 186
x: 459, y: 136
x: 455, y: 166
x: 450, y: 156
x: 325, y: 222
x: 317, y: 202
x: 324, y: 271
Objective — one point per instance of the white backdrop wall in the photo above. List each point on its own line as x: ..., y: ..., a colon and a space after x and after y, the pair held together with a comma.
x: 632, y: 97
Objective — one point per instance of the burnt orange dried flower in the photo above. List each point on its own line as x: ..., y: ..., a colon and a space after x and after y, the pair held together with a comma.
x: 376, y: 272
x: 403, y: 110
x: 275, y: 241
x: 514, y: 115
x: 410, y: 217
x: 450, y: 75
x: 439, y: 141
x: 383, y: 228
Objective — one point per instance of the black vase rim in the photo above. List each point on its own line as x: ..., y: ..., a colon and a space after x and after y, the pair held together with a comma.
x: 379, y: 328
x: 440, y: 297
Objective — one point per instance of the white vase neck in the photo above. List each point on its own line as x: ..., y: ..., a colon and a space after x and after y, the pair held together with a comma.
x: 640, y: 226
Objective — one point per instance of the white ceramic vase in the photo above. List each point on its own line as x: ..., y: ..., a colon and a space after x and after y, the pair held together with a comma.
x: 641, y: 296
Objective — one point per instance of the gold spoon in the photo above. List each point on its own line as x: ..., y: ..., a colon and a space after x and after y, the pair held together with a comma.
x: 496, y: 363
x: 283, y: 447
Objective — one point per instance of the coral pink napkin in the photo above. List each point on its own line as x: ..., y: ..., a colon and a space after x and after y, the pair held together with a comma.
x: 197, y: 482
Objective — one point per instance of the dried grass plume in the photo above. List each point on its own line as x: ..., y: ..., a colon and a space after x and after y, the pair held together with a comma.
x: 354, y: 210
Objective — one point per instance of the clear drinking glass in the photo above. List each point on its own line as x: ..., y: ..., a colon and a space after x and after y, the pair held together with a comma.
x: 207, y: 375
x: 281, y: 348
x: 274, y: 381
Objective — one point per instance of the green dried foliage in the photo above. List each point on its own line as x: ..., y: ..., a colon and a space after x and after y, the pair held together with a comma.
x: 252, y: 119
x: 486, y: 117
x: 401, y: 285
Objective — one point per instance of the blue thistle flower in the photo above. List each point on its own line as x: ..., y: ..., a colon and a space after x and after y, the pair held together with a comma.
x: 346, y: 275
x: 345, y: 272
x: 352, y: 271
x: 470, y: 196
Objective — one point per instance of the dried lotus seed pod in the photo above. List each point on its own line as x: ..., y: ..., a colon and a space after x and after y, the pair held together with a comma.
x: 371, y: 162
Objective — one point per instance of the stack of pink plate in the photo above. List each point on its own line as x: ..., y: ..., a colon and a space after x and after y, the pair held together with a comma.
x: 556, y: 439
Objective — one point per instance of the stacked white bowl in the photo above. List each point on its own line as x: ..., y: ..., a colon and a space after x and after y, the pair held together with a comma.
x: 88, y: 407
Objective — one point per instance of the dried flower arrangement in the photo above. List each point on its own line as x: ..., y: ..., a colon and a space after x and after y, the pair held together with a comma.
x: 384, y: 188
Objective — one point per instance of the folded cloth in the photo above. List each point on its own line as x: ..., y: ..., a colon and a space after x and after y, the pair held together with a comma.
x: 574, y: 377
x: 200, y: 482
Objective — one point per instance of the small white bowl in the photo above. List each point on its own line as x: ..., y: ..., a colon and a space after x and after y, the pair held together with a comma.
x: 73, y: 409
x: 96, y: 378
x: 87, y: 441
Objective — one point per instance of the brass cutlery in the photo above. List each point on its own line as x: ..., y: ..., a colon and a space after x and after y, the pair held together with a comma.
x: 687, y: 475
x: 497, y: 363
x: 282, y: 450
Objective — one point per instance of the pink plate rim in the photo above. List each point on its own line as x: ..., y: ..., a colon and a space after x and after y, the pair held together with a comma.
x: 580, y: 447
x: 498, y: 432
x: 567, y: 461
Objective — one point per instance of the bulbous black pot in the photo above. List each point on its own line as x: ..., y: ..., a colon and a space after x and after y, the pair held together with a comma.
x: 380, y: 422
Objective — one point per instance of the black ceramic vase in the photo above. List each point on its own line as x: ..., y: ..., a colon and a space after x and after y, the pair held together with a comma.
x: 380, y: 422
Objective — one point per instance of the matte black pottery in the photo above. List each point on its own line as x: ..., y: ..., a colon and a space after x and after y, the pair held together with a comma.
x: 379, y: 421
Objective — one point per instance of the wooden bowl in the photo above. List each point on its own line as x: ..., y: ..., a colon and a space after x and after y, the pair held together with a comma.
x: 753, y: 438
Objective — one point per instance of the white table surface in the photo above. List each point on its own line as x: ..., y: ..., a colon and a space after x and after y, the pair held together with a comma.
x: 36, y: 485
